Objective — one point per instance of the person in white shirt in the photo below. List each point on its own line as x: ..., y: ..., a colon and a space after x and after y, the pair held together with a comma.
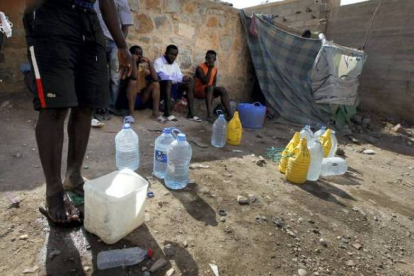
x: 174, y: 84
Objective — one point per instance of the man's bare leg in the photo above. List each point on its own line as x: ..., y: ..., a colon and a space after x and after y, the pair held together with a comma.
x: 189, y: 88
x: 152, y: 90
x: 167, y: 88
x: 49, y: 137
x: 79, y: 128
x: 132, y: 96
x: 209, y: 103
x: 225, y: 100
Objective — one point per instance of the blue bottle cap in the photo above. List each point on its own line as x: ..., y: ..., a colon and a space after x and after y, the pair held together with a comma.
x: 181, y: 137
x: 168, y: 130
x: 127, y: 126
x: 221, y: 116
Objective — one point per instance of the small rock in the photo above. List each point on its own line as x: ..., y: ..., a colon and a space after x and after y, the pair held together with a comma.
x: 205, y: 190
x: 169, y: 250
x: 316, y: 273
x: 185, y: 244
x: 53, y: 254
x: 24, y: 237
x: 350, y: 263
x: 86, y: 167
x: 242, y: 200
x: 170, y: 272
x: 302, y: 272
x: 31, y: 270
x: 13, y: 239
x: 399, y: 129
x: 222, y: 213
x: 17, y: 155
x: 86, y: 268
x: 323, y: 243
x: 357, y: 246
x: 340, y: 152
x: 290, y: 233
x: 344, y: 240
x: 261, y: 162
x: 88, y: 247
x: 147, y: 217
x: 355, y: 209
x: 369, y: 152
x: 252, y: 198
x: 223, y: 219
x: 5, y: 104
x: 279, y: 222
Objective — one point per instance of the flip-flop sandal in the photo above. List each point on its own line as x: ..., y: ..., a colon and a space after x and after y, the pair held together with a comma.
x: 195, y: 119
x: 97, y: 124
x: 70, y: 224
x: 172, y: 118
x: 161, y: 119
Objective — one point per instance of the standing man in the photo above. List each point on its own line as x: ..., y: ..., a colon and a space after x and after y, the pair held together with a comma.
x: 123, y: 12
x: 67, y: 53
x: 205, y: 87
x: 174, y: 84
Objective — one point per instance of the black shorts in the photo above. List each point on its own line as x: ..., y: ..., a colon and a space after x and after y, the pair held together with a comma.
x: 66, y: 49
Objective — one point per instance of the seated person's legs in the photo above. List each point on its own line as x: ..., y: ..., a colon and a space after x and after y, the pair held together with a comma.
x: 225, y: 101
x: 152, y: 92
x: 166, y: 88
x: 188, y: 87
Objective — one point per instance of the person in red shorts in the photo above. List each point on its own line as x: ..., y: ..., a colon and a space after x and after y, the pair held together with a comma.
x: 205, y: 85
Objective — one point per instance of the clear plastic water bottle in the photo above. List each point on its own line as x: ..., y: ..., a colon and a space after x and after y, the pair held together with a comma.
x: 333, y: 166
x: 160, y: 152
x: 334, y: 147
x: 320, y: 132
x: 218, y: 138
x: 316, y: 152
x: 127, y: 149
x: 307, y: 133
x: 178, y: 168
x: 122, y: 257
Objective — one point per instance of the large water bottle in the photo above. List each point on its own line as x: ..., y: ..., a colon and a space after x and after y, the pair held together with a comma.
x: 127, y: 149
x: 178, y: 168
x: 218, y: 139
x: 306, y: 132
x: 334, y: 147
x: 316, y: 152
x: 320, y: 132
x: 160, y: 152
x: 122, y: 257
x: 333, y: 166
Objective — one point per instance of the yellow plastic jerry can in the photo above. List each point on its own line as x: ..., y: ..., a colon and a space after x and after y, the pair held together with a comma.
x: 234, y: 131
x: 298, y: 166
x: 287, y: 152
x: 326, y: 142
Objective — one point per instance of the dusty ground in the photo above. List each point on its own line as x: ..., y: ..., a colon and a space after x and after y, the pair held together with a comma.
x: 370, y: 208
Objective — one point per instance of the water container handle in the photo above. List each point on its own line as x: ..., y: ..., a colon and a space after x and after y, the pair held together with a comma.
x: 257, y: 104
x: 219, y: 112
x: 175, y: 131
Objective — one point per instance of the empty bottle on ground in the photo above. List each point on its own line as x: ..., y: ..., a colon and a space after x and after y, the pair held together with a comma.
x: 122, y: 257
x: 333, y: 166
x: 160, y: 152
x: 178, y: 166
x: 334, y: 146
x: 307, y: 133
x: 218, y: 138
x: 316, y: 153
x: 127, y: 149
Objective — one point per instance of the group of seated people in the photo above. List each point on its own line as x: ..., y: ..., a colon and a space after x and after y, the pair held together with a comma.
x: 161, y: 81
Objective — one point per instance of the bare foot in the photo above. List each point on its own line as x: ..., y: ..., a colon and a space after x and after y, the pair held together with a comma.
x: 59, y: 209
x: 74, y: 182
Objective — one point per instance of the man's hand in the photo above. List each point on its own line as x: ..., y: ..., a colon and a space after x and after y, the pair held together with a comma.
x: 211, y: 65
x: 186, y: 79
x: 145, y: 59
x: 125, y: 63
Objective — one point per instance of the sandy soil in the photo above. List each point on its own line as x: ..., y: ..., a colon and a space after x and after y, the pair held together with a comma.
x: 365, y: 217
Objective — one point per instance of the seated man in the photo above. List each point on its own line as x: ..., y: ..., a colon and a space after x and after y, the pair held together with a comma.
x: 174, y: 84
x: 205, y: 88
x: 142, y: 89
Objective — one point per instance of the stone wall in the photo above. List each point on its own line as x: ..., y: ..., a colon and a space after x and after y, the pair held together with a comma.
x: 387, y: 83
x: 195, y: 26
x: 299, y: 14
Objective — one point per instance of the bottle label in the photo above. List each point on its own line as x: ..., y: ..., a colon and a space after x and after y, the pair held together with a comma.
x: 161, y: 156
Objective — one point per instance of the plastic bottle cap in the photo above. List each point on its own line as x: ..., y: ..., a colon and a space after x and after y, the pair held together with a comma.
x: 221, y: 116
x: 127, y: 126
x: 150, y: 253
x: 167, y: 130
x: 181, y: 137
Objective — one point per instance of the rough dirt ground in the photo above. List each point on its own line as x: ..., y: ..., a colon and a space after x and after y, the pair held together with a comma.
x: 372, y: 205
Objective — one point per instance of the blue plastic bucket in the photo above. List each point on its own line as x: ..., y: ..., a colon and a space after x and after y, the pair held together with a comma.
x: 252, y: 115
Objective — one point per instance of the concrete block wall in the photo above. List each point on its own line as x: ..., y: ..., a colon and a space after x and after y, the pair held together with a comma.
x: 299, y: 14
x: 387, y: 81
